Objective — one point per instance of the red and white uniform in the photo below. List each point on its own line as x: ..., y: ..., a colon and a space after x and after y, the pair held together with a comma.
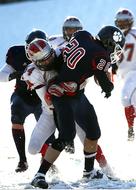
x: 45, y: 127
x: 57, y: 42
x: 37, y: 79
x: 127, y: 69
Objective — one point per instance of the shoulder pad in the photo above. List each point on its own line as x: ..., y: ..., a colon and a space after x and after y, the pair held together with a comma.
x: 54, y: 37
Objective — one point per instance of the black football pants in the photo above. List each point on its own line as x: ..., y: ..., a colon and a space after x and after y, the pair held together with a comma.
x: 76, y: 108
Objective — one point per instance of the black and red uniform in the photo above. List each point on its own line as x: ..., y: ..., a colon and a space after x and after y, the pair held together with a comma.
x: 83, y: 57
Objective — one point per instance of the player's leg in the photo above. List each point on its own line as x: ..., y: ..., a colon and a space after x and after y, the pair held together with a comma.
x: 100, y: 157
x: 66, y: 128
x: 44, y: 128
x: 128, y: 92
x: 87, y: 119
x: 18, y: 114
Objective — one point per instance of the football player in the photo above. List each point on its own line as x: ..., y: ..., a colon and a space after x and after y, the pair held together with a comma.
x: 73, y: 24
x: 23, y: 101
x: 126, y: 67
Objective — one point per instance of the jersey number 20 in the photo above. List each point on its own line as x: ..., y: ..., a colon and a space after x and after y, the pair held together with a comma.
x: 73, y: 53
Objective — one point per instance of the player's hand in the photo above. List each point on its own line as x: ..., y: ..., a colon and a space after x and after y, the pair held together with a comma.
x: 15, y: 75
x: 56, y: 90
x: 107, y: 95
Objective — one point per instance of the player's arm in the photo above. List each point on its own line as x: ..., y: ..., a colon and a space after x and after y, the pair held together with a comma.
x: 35, y: 81
x: 33, y: 77
x: 8, y: 72
x: 101, y: 74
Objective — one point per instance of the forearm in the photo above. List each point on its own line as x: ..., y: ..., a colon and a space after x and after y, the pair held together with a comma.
x: 105, y: 83
x: 5, y: 72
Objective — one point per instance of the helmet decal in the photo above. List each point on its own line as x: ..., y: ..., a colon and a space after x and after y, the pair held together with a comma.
x: 117, y: 36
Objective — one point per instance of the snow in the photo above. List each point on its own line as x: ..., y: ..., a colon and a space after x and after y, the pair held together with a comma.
x: 16, y: 21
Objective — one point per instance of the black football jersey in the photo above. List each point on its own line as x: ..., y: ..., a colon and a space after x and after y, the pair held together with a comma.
x: 84, y: 57
x: 16, y: 58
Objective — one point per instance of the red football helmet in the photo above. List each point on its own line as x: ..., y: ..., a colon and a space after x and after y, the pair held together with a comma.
x: 41, y: 53
x: 124, y: 19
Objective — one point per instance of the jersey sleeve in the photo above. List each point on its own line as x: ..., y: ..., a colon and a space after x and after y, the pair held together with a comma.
x: 9, y: 56
x: 33, y: 77
x: 5, y: 71
x: 100, y: 69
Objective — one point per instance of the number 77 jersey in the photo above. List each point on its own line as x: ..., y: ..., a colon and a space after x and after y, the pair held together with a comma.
x: 128, y: 58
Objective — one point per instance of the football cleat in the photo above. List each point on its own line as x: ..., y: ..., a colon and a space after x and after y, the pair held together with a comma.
x: 21, y: 167
x: 39, y: 181
x: 93, y: 174
x: 70, y: 148
x: 131, y: 134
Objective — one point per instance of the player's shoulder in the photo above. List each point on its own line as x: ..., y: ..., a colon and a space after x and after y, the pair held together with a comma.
x: 32, y: 67
x: 15, y: 49
x: 132, y: 31
x: 83, y: 33
x: 57, y: 41
x: 33, y: 74
x: 56, y: 37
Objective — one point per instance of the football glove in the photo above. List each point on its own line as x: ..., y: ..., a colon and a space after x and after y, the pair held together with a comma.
x: 15, y: 75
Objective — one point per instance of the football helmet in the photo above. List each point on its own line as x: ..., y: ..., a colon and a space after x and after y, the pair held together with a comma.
x: 124, y: 19
x: 41, y: 53
x: 71, y: 24
x: 113, y: 41
x: 36, y: 33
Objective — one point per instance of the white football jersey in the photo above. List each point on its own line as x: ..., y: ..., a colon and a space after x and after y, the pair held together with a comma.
x: 58, y: 43
x: 38, y: 80
x: 128, y: 62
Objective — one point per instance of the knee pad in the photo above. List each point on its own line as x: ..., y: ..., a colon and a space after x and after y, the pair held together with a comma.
x: 33, y: 148
x: 59, y: 144
x: 94, y: 136
x: 126, y: 101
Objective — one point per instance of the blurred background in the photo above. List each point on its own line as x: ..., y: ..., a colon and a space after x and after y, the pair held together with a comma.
x: 12, y: 1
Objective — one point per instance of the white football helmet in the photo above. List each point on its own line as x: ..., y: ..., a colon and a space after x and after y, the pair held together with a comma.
x: 71, y: 23
x: 41, y: 53
x: 124, y: 19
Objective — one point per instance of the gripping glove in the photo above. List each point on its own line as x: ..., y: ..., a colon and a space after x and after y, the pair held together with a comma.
x: 15, y: 75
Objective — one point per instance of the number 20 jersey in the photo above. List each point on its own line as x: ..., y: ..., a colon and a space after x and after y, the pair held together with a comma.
x: 83, y: 57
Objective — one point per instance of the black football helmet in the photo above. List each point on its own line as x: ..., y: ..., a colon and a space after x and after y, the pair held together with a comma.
x: 113, y: 41
x: 36, y: 33
x: 124, y: 19
x: 71, y: 22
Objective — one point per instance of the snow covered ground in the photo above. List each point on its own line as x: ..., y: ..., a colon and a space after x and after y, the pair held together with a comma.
x: 16, y: 21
